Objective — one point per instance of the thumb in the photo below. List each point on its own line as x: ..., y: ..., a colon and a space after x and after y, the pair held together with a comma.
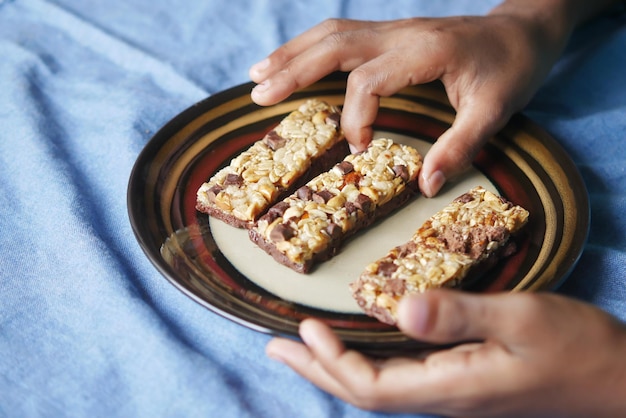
x: 449, y: 316
x: 455, y: 149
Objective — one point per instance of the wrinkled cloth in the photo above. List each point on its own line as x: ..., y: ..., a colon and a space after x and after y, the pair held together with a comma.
x: 88, y: 327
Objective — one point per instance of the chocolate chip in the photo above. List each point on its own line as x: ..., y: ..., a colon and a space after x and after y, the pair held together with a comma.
x: 395, y: 287
x: 476, y: 249
x: 464, y: 198
x: 334, y: 231
x: 406, y: 249
x: 480, y: 237
x: 322, y: 196
x: 497, y: 233
x: 345, y: 167
x: 275, y: 212
x: 400, y: 170
x: 454, y: 240
x: 386, y: 268
x: 278, y: 209
x: 333, y: 119
x: 233, y: 179
x: 350, y: 207
x: 268, y: 217
x: 213, y: 192
x: 363, y: 202
x: 305, y: 193
x: 274, y: 141
x: 282, y: 232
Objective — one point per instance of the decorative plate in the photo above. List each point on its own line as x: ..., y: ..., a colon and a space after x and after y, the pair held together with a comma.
x: 220, y: 268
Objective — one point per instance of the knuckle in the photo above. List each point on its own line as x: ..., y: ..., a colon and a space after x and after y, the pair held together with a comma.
x: 360, y: 81
x: 459, y: 156
x: 333, y: 25
x: 290, y: 78
x: 465, y: 155
x: 282, y: 52
x: 335, y: 44
x: 438, y: 38
x: 334, y: 40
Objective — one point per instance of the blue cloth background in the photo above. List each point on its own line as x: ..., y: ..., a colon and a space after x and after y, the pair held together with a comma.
x: 88, y: 327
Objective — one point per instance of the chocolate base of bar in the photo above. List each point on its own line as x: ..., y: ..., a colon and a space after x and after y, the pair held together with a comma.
x: 335, y: 245
x: 377, y: 312
x: 223, y: 216
x: 319, y: 165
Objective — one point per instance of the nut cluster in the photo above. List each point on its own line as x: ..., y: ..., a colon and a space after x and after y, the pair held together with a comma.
x: 256, y: 177
x: 441, y: 252
x: 336, y: 203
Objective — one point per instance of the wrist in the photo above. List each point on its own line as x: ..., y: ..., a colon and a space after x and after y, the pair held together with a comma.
x: 550, y: 22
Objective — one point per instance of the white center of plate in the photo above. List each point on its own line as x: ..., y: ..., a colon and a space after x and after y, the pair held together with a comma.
x: 327, y: 286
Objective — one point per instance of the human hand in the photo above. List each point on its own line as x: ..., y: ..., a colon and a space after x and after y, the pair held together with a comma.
x: 490, y: 67
x: 539, y: 355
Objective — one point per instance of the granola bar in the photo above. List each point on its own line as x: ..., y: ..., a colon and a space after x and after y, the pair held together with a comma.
x: 467, y: 236
x: 305, y: 143
x: 311, y: 224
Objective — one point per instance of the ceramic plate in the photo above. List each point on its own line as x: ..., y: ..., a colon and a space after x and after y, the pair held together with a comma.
x: 218, y: 267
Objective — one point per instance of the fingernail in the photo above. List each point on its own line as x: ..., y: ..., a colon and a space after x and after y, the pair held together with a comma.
x: 262, y: 87
x: 434, y: 183
x: 259, y: 89
x: 260, y: 66
x: 275, y: 356
x: 353, y: 149
x: 310, y: 334
x: 305, y: 334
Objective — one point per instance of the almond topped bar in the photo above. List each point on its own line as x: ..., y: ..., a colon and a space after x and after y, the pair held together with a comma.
x: 465, y: 237
x: 305, y: 143
x: 311, y: 224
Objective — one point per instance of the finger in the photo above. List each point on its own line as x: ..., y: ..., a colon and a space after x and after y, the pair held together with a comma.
x: 299, y: 44
x: 360, y: 108
x: 436, y: 385
x: 346, y: 374
x: 367, y: 384
x: 326, y: 363
x: 347, y: 367
x: 395, y: 385
x: 307, y: 68
x: 447, y: 316
x: 299, y: 358
x: 354, y: 377
x: 382, y: 76
x: 343, y: 49
x: 455, y: 149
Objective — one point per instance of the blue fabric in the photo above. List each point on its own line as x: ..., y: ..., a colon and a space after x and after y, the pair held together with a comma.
x: 88, y: 327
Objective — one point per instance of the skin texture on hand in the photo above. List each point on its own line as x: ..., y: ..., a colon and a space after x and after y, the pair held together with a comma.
x: 539, y: 355
x: 490, y: 67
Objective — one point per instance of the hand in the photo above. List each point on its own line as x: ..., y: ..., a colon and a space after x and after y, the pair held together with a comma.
x: 540, y: 355
x: 490, y: 67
